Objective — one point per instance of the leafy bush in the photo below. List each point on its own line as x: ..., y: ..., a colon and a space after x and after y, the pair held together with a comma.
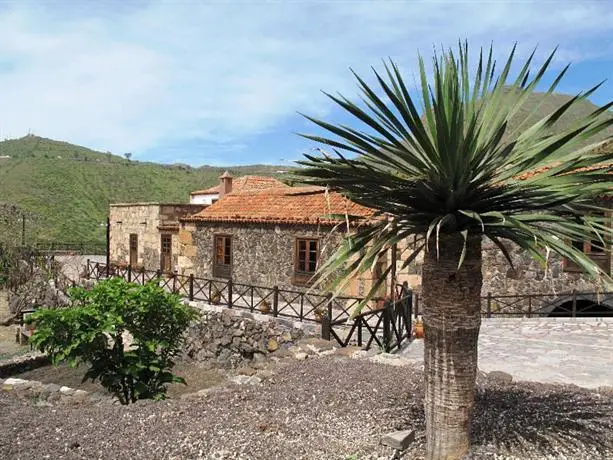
x: 95, y: 331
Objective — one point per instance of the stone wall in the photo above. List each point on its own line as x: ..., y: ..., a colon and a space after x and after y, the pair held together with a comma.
x: 149, y: 221
x: 262, y: 254
x: 143, y: 220
x: 528, y: 277
x: 229, y: 338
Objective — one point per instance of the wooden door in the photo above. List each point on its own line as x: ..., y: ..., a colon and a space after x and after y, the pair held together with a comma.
x: 166, y: 253
x: 133, y: 250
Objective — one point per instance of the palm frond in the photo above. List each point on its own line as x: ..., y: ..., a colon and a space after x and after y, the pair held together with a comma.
x: 456, y: 166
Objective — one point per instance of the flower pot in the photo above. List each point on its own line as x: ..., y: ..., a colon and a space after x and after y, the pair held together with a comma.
x: 264, y: 307
x: 418, y: 329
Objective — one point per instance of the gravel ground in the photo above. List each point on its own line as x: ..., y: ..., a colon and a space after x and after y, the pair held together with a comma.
x: 197, y: 378
x: 326, y: 408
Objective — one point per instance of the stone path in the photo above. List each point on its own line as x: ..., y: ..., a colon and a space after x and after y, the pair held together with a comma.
x: 550, y: 350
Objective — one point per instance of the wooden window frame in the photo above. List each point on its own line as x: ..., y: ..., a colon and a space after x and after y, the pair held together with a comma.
x: 223, y: 270
x: 602, y: 259
x: 162, y: 252
x: 302, y: 277
x: 133, y: 245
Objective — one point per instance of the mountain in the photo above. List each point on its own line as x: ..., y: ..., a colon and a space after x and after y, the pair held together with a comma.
x: 66, y: 189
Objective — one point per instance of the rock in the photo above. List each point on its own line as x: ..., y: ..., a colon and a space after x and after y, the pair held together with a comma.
x: 500, y: 377
x: 348, y: 351
x: 15, y: 384
x: 238, y: 332
x: 265, y: 374
x: 67, y: 391
x: 272, y: 345
x: 259, y: 358
x: 286, y: 337
x: 316, y: 344
x: 240, y: 379
x: 399, y: 440
x: 301, y: 356
x: 283, y: 353
x: 254, y: 380
x: 246, y: 371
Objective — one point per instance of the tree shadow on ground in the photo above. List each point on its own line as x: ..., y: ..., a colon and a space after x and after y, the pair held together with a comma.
x: 548, y: 419
x: 533, y: 420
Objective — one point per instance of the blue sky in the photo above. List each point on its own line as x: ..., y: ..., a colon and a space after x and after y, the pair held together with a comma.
x: 215, y: 82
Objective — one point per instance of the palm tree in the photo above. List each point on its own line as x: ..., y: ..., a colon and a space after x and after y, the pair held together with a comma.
x: 452, y: 174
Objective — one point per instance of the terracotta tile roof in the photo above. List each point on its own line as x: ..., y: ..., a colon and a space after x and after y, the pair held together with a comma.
x: 244, y: 184
x: 605, y: 147
x: 292, y: 205
x: 542, y: 169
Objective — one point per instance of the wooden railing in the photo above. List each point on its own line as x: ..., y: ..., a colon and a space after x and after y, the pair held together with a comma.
x: 569, y: 304
x: 278, y: 302
x: 389, y: 326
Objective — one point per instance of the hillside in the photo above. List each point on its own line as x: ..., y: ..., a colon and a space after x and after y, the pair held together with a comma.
x: 67, y: 188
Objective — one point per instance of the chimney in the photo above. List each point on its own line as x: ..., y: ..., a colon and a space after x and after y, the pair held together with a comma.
x: 225, y: 184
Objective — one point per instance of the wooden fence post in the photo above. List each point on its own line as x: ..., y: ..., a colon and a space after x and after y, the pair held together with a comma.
x: 574, y: 311
x: 129, y: 273
x: 325, y: 327
x: 174, y: 281
x: 529, y: 306
x: 97, y: 270
x: 87, y: 270
x: 191, y: 287
x: 230, y: 293
x: 489, y: 304
x: 386, y: 326
x: 275, y: 300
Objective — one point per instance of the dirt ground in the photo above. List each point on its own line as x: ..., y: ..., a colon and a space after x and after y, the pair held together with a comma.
x: 8, y: 346
x: 197, y: 378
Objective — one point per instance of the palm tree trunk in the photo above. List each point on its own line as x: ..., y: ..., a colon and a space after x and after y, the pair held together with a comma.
x: 451, y: 325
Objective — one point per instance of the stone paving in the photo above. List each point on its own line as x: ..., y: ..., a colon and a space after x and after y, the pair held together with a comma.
x: 551, y: 350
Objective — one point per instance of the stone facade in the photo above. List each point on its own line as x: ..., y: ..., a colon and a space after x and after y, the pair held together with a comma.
x: 148, y: 221
x: 262, y: 254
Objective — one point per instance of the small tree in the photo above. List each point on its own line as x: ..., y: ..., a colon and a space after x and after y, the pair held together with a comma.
x: 128, y: 156
x: 95, y: 331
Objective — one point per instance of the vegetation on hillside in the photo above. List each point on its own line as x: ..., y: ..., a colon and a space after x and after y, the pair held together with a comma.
x: 67, y: 189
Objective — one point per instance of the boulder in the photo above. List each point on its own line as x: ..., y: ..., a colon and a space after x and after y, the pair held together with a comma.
x: 399, y: 440
x: 272, y: 345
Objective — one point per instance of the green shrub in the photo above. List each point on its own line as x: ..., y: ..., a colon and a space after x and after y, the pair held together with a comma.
x: 93, y: 332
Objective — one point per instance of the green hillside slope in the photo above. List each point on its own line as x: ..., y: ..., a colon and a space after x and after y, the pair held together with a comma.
x: 68, y: 188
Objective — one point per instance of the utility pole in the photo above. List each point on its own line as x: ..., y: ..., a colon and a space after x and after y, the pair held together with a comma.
x: 108, y: 245
x: 23, y: 230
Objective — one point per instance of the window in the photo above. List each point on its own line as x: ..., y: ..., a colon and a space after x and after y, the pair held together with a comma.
x: 166, y: 253
x: 222, y: 264
x: 306, y: 258
x: 593, y: 248
x: 133, y: 249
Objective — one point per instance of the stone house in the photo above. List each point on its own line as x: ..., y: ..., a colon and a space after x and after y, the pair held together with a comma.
x: 271, y: 236
x: 257, y: 230
x: 145, y: 234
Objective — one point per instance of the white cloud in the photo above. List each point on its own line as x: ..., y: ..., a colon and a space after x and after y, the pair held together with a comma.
x: 220, y: 72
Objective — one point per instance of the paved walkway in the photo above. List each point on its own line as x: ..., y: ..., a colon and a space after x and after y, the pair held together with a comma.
x: 553, y: 350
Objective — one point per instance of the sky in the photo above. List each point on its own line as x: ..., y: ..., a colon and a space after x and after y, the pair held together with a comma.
x: 223, y: 82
